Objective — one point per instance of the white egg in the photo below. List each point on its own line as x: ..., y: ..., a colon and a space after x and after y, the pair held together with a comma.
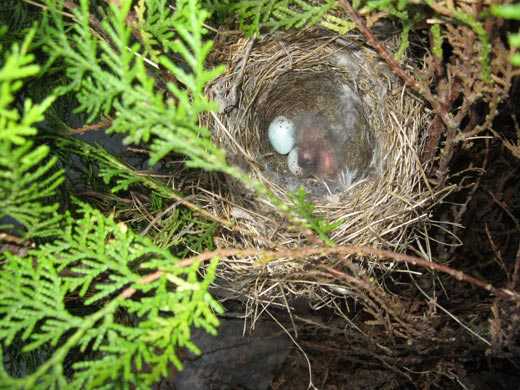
x: 292, y: 163
x: 282, y: 134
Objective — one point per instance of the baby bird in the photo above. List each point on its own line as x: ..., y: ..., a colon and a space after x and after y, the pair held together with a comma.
x: 318, y: 154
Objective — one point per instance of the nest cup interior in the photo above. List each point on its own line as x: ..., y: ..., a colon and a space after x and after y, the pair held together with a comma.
x: 334, y: 142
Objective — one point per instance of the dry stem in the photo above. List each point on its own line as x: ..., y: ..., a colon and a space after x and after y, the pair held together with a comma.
x: 380, y: 255
x: 408, y: 79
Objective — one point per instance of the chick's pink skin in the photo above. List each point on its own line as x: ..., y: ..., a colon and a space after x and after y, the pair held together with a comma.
x: 316, y: 152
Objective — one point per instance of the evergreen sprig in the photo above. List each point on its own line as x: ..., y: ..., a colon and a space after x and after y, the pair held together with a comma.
x: 183, y: 230
x: 405, y: 11
x: 114, y: 172
x: 298, y: 14
x: 306, y: 210
x: 109, y: 76
x: 113, y: 270
x: 27, y: 174
x: 156, y: 24
x: 253, y: 15
x: 510, y: 11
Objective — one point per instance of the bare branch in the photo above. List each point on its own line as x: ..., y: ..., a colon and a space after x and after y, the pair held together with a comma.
x: 379, y: 255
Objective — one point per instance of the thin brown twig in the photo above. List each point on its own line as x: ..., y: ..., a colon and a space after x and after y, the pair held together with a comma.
x: 458, y: 215
x: 11, y: 239
x: 379, y: 255
x: 448, y: 93
x: 499, y: 260
x: 408, y: 79
x: 102, y: 124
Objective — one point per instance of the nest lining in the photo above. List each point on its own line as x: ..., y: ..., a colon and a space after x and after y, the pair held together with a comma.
x: 333, y: 137
x: 387, y: 206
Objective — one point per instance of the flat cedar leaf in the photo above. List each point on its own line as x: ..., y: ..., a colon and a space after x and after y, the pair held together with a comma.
x: 507, y: 11
x: 29, y: 176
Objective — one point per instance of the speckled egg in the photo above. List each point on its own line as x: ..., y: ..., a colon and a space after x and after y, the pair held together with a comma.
x: 282, y: 135
x: 292, y: 163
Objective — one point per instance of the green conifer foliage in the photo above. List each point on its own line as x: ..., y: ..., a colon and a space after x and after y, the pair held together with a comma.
x: 138, y: 305
x: 27, y: 175
x: 108, y: 266
x: 510, y: 11
x: 109, y: 76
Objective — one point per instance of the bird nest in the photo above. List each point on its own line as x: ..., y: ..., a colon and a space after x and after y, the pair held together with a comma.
x: 384, y: 204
